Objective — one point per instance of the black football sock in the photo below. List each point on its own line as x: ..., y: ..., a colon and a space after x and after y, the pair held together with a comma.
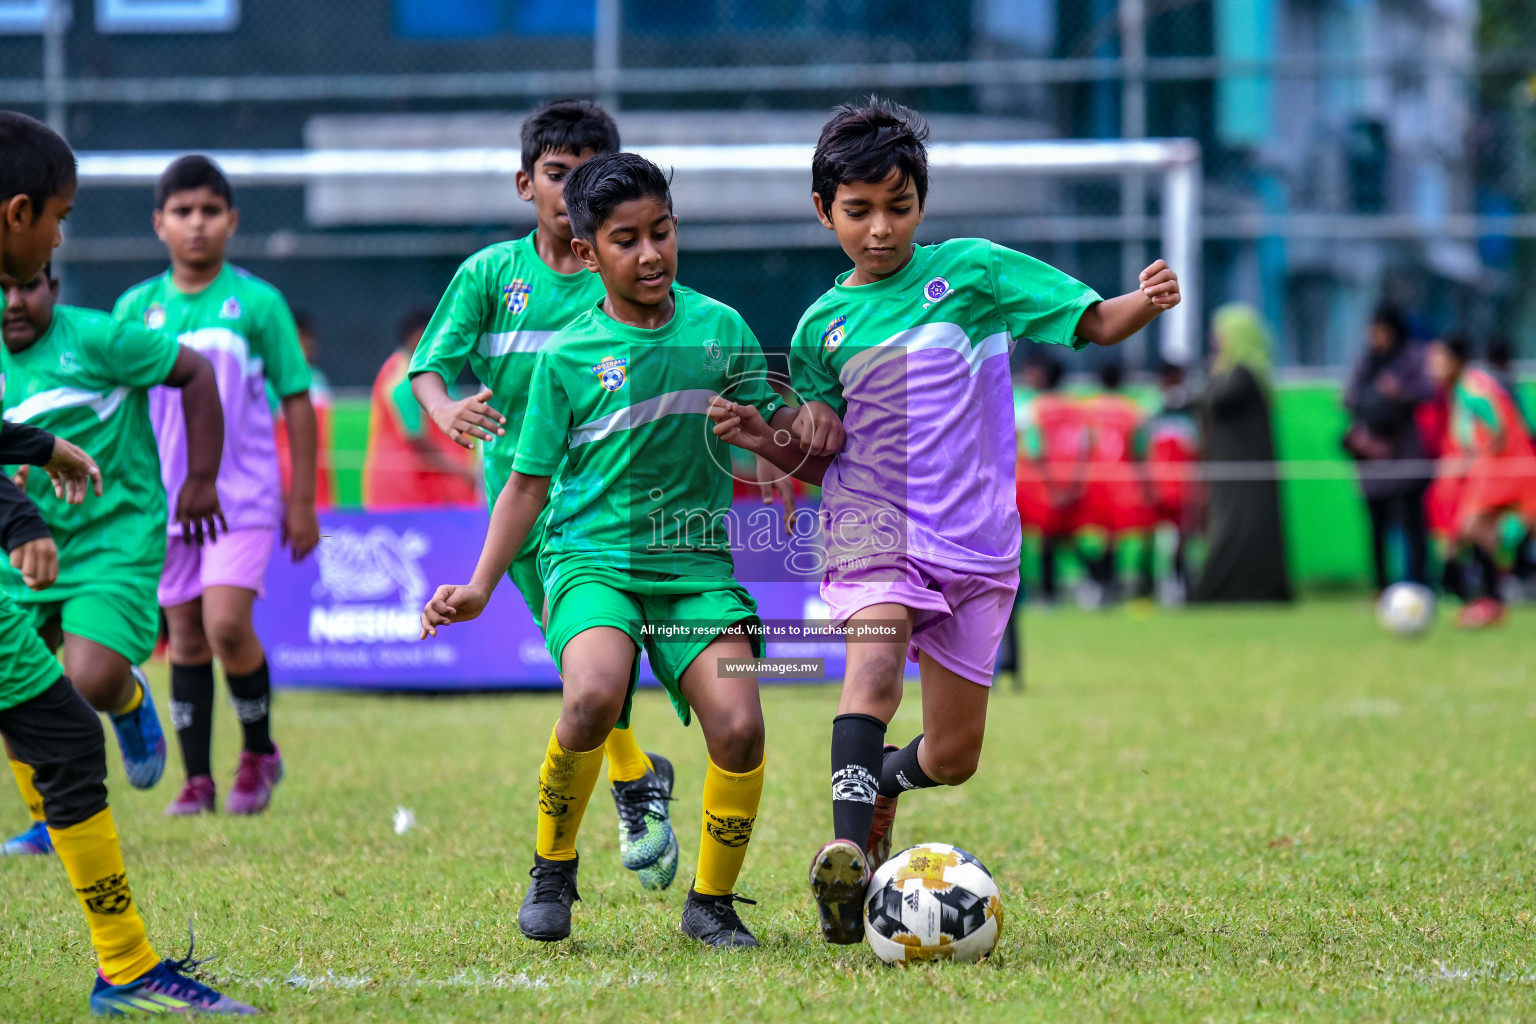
x: 251, y: 694
x: 858, y: 744
x: 901, y: 772
x: 192, y: 715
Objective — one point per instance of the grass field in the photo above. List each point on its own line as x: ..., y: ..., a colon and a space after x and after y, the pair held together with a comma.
x: 1259, y: 815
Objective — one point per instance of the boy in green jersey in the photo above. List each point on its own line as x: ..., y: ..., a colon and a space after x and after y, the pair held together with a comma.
x: 75, y: 374
x: 904, y: 367
x: 635, y: 551
x: 242, y: 326
x: 43, y: 720
x: 504, y: 304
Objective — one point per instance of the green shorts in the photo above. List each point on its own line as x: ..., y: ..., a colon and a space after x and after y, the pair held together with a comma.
x: 121, y: 615
x: 524, y: 575
x: 27, y: 666
x: 636, y: 608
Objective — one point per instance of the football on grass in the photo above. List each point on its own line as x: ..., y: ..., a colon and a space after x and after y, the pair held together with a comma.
x: 932, y: 902
x: 1407, y: 609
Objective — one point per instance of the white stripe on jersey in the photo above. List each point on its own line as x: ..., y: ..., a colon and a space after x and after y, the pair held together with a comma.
x: 671, y: 403
x: 222, y: 339
x: 928, y: 336
x: 102, y: 403
x: 507, y: 342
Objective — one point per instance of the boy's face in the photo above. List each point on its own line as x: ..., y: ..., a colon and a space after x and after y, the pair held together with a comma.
x: 635, y: 251
x: 1034, y: 377
x: 28, y: 235
x: 195, y: 226
x: 1444, y: 367
x: 874, y: 222
x: 545, y: 188
x: 28, y: 308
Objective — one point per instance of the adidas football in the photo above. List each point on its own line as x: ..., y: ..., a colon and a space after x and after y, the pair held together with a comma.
x: 932, y: 902
x: 1406, y: 609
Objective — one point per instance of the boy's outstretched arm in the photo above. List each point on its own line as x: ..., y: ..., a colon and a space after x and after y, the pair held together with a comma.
x: 197, y: 506
x: 517, y: 509
x: 1112, y: 321
x: 744, y: 427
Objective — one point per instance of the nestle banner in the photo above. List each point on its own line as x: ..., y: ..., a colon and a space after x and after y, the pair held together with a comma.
x: 350, y: 615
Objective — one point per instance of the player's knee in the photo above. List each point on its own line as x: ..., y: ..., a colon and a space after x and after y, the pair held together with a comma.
x: 736, y: 742
x: 589, y: 711
x: 229, y: 636
x: 877, y: 680
x: 950, y: 764
x: 70, y: 772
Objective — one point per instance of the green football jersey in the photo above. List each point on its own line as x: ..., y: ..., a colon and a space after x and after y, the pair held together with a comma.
x: 646, y: 485
x: 502, y: 306
x: 86, y: 380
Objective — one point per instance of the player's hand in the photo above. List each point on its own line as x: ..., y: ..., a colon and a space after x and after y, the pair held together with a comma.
x: 774, y: 481
x: 1160, y: 285
x: 817, y: 429
x: 38, y: 563
x: 199, y: 512
x: 739, y: 425
x: 470, y: 418
x: 452, y: 603
x: 301, y: 529
x: 23, y: 474
x: 73, y: 471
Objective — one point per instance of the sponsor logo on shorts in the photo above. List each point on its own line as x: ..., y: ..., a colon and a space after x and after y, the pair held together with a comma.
x: 611, y: 373
x: 516, y: 295
x: 729, y: 830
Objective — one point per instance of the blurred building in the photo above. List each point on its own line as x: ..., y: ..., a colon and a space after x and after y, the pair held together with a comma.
x: 1353, y: 148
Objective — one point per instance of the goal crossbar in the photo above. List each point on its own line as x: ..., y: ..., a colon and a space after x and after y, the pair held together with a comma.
x: 1176, y: 161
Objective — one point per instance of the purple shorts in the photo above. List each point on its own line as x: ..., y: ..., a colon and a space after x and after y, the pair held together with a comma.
x: 237, y: 559
x: 958, y: 617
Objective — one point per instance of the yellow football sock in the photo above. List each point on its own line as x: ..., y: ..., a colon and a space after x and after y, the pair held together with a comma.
x: 730, y: 810
x: 626, y: 761
x: 565, y: 785
x: 134, y: 702
x: 29, y: 793
x: 94, y: 863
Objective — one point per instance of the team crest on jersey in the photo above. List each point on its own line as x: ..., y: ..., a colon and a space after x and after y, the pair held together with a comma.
x: 936, y: 290
x: 834, y: 334
x: 154, y: 317
x: 516, y: 295
x: 231, y: 309
x: 611, y: 373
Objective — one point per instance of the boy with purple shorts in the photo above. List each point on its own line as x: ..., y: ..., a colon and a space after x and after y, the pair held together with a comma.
x: 243, y: 327
x: 908, y: 425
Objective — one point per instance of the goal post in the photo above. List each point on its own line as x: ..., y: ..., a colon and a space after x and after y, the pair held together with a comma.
x: 1176, y: 162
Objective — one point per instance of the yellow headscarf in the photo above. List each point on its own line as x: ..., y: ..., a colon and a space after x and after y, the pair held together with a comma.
x: 1244, y: 340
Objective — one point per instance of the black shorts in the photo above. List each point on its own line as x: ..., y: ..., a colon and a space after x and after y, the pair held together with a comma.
x: 60, y: 736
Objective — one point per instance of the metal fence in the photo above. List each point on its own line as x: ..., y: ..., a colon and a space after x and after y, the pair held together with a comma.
x: 1354, y: 150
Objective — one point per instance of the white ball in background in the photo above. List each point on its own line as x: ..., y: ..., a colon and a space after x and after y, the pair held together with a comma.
x: 1407, y: 609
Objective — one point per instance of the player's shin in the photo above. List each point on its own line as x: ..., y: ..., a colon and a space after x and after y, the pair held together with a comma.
x: 566, y: 781
x: 94, y: 862
x: 626, y: 761
x: 730, y: 811
x: 858, y: 743
x: 192, y: 715
x: 901, y: 771
x: 29, y: 793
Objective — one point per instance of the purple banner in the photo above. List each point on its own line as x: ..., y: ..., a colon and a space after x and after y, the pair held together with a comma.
x: 349, y: 616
